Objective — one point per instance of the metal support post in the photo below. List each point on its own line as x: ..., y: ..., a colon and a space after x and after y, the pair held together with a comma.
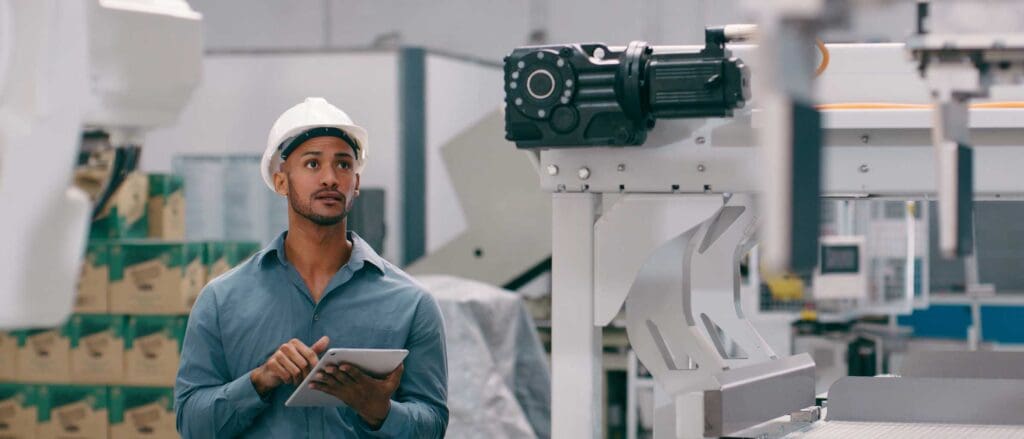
x: 575, y: 340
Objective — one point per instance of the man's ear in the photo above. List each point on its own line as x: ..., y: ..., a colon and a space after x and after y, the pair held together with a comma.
x: 281, y: 183
x: 357, y: 185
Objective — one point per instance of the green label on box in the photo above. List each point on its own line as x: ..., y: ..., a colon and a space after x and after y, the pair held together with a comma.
x: 123, y: 399
x: 172, y: 328
x: 24, y: 334
x: 212, y: 252
x: 165, y: 184
x: 124, y: 214
x: 52, y: 398
x: 245, y: 249
x: 25, y: 395
x: 173, y: 255
x: 221, y: 256
x: 97, y: 253
x: 84, y: 325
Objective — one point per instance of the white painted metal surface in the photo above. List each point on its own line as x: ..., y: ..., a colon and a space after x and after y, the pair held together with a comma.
x: 575, y: 340
x: 45, y: 223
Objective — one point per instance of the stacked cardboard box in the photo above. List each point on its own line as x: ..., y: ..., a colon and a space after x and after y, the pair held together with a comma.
x: 94, y: 279
x: 142, y: 412
x: 29, y: 411
x: 152, y: 346
x: 166, y: 207
x: 97, y: 349
x: 8, y: 357
x: 19, y: 411
x: 72, y: 412
x: 124, y: 213
x: 220, y: 257
x: 155, y: 277
x: 120, y: 350
x: 44, y: 355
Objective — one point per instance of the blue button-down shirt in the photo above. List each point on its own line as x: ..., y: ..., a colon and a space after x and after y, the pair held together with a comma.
x: 243, y: 316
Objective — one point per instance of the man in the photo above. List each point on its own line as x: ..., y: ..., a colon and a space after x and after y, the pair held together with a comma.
x: 256, y: 331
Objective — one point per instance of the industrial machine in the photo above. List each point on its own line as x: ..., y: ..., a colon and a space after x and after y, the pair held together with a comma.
x: 120, y: 67
x: 660, y: 229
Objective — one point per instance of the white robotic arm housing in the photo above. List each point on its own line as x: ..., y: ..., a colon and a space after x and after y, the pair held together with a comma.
x: 121, y: 66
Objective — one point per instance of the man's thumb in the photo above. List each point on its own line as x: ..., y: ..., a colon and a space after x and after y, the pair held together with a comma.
x: 321, y: 345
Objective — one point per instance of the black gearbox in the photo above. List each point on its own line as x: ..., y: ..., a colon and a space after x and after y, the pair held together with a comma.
x: 576, y: 95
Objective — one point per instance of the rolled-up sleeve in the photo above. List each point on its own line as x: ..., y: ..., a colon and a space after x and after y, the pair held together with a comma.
x: 419, y: 408
x: 208, y: 402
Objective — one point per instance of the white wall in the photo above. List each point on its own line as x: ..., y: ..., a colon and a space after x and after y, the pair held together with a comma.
x: 489, y: 29
x: 263, y: 24
x: 459, y: 94
x: 241, y: 96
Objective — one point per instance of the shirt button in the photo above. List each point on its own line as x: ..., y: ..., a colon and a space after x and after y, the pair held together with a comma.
x: 316, y: 317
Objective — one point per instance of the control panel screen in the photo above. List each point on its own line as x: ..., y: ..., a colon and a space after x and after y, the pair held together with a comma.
x: 840, y: 259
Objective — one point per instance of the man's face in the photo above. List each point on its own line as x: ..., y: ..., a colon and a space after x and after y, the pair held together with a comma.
x: 320, y: 180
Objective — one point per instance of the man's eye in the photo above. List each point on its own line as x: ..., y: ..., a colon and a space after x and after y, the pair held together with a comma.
x: 312, y: 164
x: 344, y: 165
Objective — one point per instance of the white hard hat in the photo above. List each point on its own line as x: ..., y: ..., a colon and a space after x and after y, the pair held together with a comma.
x: 298, y: 121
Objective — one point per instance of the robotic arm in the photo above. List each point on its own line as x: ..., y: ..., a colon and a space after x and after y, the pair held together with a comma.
x: 121, y: 66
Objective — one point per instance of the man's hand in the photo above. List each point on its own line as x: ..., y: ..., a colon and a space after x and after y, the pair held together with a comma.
x: 289, y: 364
x: 367, y: 395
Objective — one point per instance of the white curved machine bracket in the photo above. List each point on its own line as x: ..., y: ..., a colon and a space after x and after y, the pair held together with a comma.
x: 675, y: 261
x: 123, y: 66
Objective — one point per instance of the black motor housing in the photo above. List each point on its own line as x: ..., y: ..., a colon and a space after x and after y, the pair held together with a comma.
x: 574, y: 95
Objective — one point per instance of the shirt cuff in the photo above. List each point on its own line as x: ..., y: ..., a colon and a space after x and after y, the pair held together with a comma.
x: 242, y: 395
x: 394, y: 424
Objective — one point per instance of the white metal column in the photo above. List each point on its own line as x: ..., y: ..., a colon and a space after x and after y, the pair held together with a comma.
x: 575, y: 340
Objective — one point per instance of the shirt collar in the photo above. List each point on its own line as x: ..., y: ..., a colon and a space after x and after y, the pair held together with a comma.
x: 362, y: 253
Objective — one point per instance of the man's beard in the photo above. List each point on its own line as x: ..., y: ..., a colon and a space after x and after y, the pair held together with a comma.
x: 306, y: 209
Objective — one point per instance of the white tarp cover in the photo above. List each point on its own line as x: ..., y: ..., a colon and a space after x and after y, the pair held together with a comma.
x: 499, y: 381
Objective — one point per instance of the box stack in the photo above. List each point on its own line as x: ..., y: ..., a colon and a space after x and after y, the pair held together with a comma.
x: 109, y: 371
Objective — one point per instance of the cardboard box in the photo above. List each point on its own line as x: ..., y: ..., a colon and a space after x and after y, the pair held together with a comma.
x: 94, y: 279
x: 142, y: 413
x: 152, y: 348
x: 166, y: 207
x: 124, y: 214
x: 44, y: 355
x: 220, y: 257
x: 97, y: 349
x: 72, y: 412
x: 149, y: 277
x: 8, y: 357
x: 19, y: 411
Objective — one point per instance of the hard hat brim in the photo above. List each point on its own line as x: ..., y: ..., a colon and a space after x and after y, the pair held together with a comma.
x: 271, y: 160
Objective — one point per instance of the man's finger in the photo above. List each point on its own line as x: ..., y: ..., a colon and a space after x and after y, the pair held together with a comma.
x: 304, y: 351
x: 281, y: 370
x: 294, y: 356
x: 340, y: 375
x: 307, y: 354
x: 352, y: 371
x: 289, y: 366
x: 326, y: 388
x: 275, y: 368
x: 321, y: 345
x: 395, y: 376
x: 326, y: 379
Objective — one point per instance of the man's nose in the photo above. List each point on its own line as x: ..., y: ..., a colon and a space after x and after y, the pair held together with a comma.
x: 328, y: 179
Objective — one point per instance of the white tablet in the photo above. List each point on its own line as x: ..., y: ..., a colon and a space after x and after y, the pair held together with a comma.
x: 374, y: 361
